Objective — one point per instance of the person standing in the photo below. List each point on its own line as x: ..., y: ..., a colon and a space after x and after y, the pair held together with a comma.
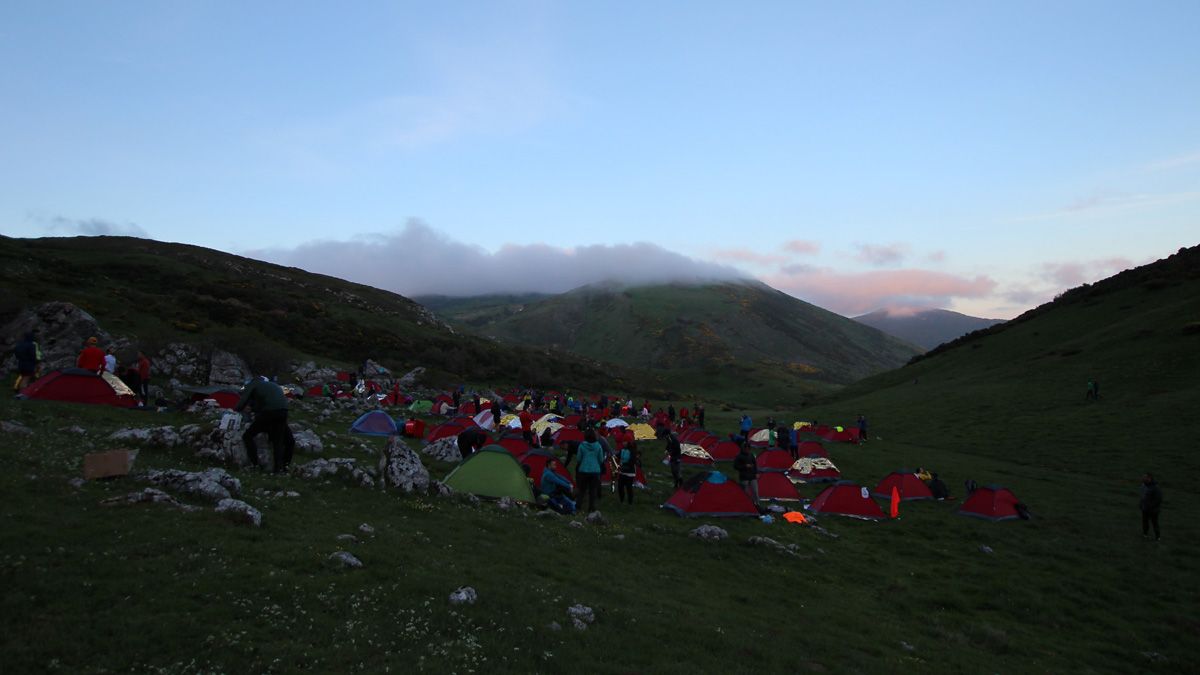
x: 143, y: 370
x: 110, y: 360
x: 745, y: 426
x: 496, y: 412
x: 1151, y: 504
x: 675, y: 456
x: 700, y: 415
x: 92, y: 357
x: 270, y: 406
x: 29, y: 357
x: 591, y: 464
x: 627, y: 473
x: 671, y: 414
x: 862, y: 429
x: 747, y: 469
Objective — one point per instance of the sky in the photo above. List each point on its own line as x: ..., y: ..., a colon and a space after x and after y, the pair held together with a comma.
x: 979, y: 156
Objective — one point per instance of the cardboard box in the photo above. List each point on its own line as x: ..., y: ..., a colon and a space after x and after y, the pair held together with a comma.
x: 108, y: 464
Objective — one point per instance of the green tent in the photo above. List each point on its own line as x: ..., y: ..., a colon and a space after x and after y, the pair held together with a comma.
x: 421, y: 406
x: 491, y: 472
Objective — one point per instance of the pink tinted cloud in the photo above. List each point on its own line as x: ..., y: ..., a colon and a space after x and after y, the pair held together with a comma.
x: 881, y: 255
x: 857, y: 293
x: 802, y: 246
x: 746, y: 255
x: 1074, y: 273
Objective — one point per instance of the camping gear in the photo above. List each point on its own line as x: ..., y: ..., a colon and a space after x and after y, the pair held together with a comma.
x: 224, y: 397
x: 992, y: 503
x: 846, y: 498
x: 724, y: 451
x: 414, y: 428
x: 75, y: 385
x: 759, y: 438
x: 374, y: 423
x: 813, y: 469
x: 691, y: 454
x: 421, y: 406
x: 711, y: 494
x: 810, y: 448
x: 906, y: 482
x: 491, y: 472
x: 775, y: 485
x: 642, y: 431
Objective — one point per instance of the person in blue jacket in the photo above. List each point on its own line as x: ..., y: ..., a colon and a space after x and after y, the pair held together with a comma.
x: 591, y: 463
x: 746, y: 424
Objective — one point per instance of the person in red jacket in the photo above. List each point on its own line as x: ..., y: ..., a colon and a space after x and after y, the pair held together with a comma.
x: 92, y: 357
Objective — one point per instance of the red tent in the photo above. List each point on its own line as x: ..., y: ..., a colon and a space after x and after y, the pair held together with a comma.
x: 75, y: 385
x: 314, y: 391
x: 724, y: 451
x: 711, y: 495
x: 810, y: 448
x: 843, y: 436
x: 815, y: 475
x: 452, y: 427
x: 774, y: 459
x: 539, y: 461
x: 906, y: 482
x: 606, y: 476
x: 762, y: 443
x: 515, y: 445
x: 566, y: 434
x: 775, y: 485
x: 846, y: 498
x: 992, y: 503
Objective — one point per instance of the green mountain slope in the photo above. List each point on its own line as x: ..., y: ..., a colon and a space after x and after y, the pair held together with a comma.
x: 718, y: 333
x: 161, y: 292
x: 926, y: 328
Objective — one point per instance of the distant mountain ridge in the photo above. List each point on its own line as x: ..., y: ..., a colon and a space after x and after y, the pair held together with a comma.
x: 926, y: 328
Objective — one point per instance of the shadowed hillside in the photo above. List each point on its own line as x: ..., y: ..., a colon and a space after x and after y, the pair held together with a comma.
x: 926, y: 328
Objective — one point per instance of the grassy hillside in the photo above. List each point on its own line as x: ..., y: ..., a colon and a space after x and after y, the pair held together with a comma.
x: 926, y: 328
x: 161, y: 292
x: 722, y: 336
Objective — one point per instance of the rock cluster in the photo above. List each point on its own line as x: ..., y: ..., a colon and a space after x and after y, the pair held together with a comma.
x: 212, y: 484
x: 165, y: 436
x: 581, y: 616
x: 239, y: 511
x: 444, y: 450
x: 787, y: 549
x: 709, y: 533
x: 148, y: 496
x: 336, y: 466
x: 464, y: 595
x: 346, y: 559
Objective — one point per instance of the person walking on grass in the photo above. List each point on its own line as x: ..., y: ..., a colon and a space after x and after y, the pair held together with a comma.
x: 270, y: 406
x: 1151, y: 504
x: 627, y: 471
x: 674, y: 456
x: 747, y: 469
x: 591, y: 464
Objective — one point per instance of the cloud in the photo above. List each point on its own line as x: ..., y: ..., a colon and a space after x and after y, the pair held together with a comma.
x: 936, y: 257
x: 802, y: 246
x: 92, y: 227
x: 1174, y: 162
x: 1107, y: 202
x: 852, y: 293
x: 1069, y: 274
x: 746, y: 255
x: 418, y: 260
x: 882, y: 255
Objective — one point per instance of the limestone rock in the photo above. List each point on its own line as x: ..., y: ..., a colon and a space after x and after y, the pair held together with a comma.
x: 165, y: 437
x: 147, y: 496
x: 409, y: 380
x: 337, y: 466
x: 240, y: 511
x: 709, y: 533
x: 464, y: 595
x: 372, y: 370
x: 596, y: 518
x: 346, y: 559
x: 506, y: 503
x: 212, y: 484
x: 787, y: 549
x: 307, y: 440
x: 401, y: 468
x: 226, y: 368
x: 11, y: 427
x: 366, y: 529
x: 61, y: 330
x: 444, y: 450
x: 581, y: 616
x: 439, y: 489
x: 78, y: 430
x: 347, y: 537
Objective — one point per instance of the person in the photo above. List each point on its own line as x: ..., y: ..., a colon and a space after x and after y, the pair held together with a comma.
x: 674, y: 456
x: 627, y: 472
x: 771, y: 424
x: 110, y: 360
x: 29, y: 357
x: 747, y: 469
x: 558, y: 492
x: 745, y: 426
x: 1151, y: 504
x: 547, y: 437
x: 478, y: 404
x: 1091, y: 390
x: 671, y: 414
x: 700, y: 415
x: 971, y: 485
x: 794, y: 442
x: 143, y: 370
x: 456, y: 397
x: 496, y: 412
x: 924, y: 475
x: 471, y: 441
x: 526, y: 418
x: 92, y: 357
x: 270, y: 406
x: 862, y: 429
x: 938, y: 488
x: 591, y: 463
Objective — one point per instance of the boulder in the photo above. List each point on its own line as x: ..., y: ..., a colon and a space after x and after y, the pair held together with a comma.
x: 464, y: 595
x: 336, y: 466
x: 307, y: 441
x: 147, y: 496
x: 165, y: 436
x: 11, y: 427
x: 211, y: 484
x: 62, y: 329
x: 596, y: 518
x: 372, y: 370
x: 444, y: 450
x: 310, y: 374
x: 409, y: 380
x: 239, y: 511
x: 439, y: 489
x: 401, y: 468
x: 709, y: 533
x: 346, y: 559
x: 581, y: 616
x: 366, y: 529
x: 226, y: 368
x: 506, y: 503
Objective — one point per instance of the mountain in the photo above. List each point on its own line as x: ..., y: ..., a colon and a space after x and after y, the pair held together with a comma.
x: 925, y: 328
x: 712, y: 335
x: 157, y: 292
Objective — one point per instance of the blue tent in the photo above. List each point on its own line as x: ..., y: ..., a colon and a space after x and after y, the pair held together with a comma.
x: 374, y: 423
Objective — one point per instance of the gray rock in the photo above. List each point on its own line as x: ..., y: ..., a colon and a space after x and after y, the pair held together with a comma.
x: 464, y: 595
x: 548, y: 513
x: 986, y: 549
x: 11, y: 427
x: 444, y: 450
x: 147, y: 496
x: 409, y: 380
x: 344, y: 467
x: 74, y: 430
x: 907, y: 647
x: 61, y: 329
x: 596, y: 518
x: 225, y: 368
x: 554, y: 626
x: 77, y: 483
x: 439, y: 489
x: 709, y: 533
x: 212, y: 484
x: 366, y: 529
x: 575, y: 524
x: 239, y: 511
x: 787, y: 549
x: 307, y: 440
x: 347, y: 537
x: 346, y: 559
x: 165, y: 436
x: 372, y: 369
x: 619, y: 537
x: 581, y: 616
x: 401, y: 468
x: 506, y: 503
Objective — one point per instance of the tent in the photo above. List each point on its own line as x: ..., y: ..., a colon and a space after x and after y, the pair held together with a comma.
x: 775, y: 485
x: 491, y: 472
x: 724, y: 451
x: 451, y: 427
x: 846, y: 498
x: 548, y: 421
x: 616, y: 422
x: 75, y: 385
x: 810, y: 448
x: 906, y: 483
x: 374, y: 423
x: 774, y: 459
x: 540, y: 460
x: 992, y: 503
x: 692, y: 454
x: 567, y: 434
x: 759, y: 438
x: 224, y: 397
x: 839, y: 435
x: 711, y: 494
x: 813, y: 469
x: 484, y: 420
x: 421, y: 406
x: 514, y: 444
x: 606, y: 475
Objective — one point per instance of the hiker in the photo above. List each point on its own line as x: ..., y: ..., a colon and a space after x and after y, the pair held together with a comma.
x: 558, y: 492
x: 700, y: 415
x: 526, y: 418
x: 770, y: 424
x: 496, y: 412
x: 674, y: 456
x: 270, y: 406
x: 29, y: 357
x: 477, y: 402
x: 971, y: 485
x: 110, y: 360
x: 627, y: 472
x: 794, y: 442
x: 745, y: 426
x: 924, y: 475
x: 92, y: 357
x: 1091, y: 391
x: 938, y: 488
x: 862, y: 429
x: 671, y: 414
x: 471, y: 441
x: 591, y: 464
x: 1151, y: 504
x: 747, y: 469
x: 143, y: 371
x: 547, y: 437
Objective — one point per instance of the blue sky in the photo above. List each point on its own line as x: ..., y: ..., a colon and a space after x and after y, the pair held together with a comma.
x: 977, y: 156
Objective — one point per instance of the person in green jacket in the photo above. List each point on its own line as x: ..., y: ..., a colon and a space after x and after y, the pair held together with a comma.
x: 270, y: 406
x: 591, y: 463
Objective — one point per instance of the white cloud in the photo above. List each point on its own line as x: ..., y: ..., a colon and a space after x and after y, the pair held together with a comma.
x: 91, y: 227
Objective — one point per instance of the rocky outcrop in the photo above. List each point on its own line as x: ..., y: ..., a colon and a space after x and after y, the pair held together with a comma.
x: 240, y: 512
x: 148, y: 496
x: 410, y: 379
x: 337, y: 466
x: 226, y: 368
x: 62, y: 328
x: 166, y: 437
x: 211, y: 484
x: 709, y: 533
x: 464, y: 595
x: 307, y: 441
x: 444, y: 450
x: 310, y: 374
x: 582, y: 616
x: 401, y: 468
